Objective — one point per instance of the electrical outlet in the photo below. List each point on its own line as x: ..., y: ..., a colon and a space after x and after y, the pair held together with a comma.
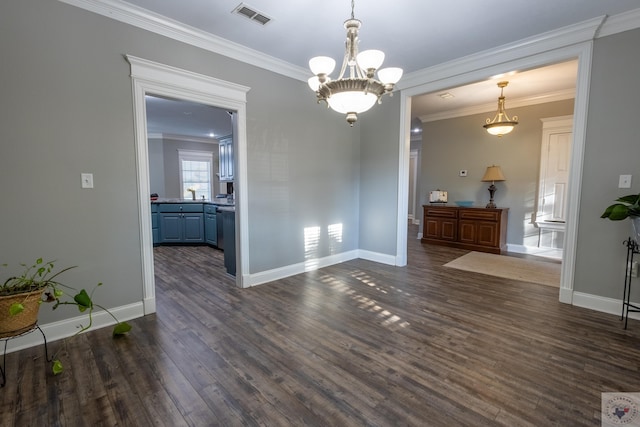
x: 463, y: 172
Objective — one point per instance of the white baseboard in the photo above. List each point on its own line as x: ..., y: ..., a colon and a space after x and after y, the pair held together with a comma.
x: 65, y: 328
x: 603, y: 304
x: 377, y: 257
x: 290, y: 270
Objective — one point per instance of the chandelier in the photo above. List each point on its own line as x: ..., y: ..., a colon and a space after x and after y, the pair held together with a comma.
x: 356, y: 89
x: 501, y: 123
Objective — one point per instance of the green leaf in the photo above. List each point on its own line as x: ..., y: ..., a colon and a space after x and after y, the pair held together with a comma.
x: 57, y: 293
x: 56, y: 367
x: 121, y: 329
x: 83, y: 300
x: 618, y: 212
x: 16, y: 308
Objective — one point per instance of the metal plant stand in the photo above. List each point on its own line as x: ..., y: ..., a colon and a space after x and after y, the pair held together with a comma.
x: 632, y: 249
x: 4, y: 353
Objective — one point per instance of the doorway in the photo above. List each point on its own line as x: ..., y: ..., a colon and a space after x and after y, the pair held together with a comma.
x: 465, y: 73
x: 153, y: 78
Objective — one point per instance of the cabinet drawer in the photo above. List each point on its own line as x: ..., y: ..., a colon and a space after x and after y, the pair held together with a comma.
x: 154, y: 207
x: 180, y: 207
x: 441, y: 212
x: 481, y: 214
x: 210, y: 209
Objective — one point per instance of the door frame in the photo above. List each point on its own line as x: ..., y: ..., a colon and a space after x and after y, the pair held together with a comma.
x: 468, y: 71
x: 150, y: 77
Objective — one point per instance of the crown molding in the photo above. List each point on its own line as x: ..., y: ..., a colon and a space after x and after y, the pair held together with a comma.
x: 562, y: 37
x: 156, y: 23
x: 185, y: 138
x: 619, y: 23
x: 513, y: 103
x: 141, y: 18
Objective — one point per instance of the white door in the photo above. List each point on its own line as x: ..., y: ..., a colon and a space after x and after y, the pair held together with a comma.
x: 557, y: 135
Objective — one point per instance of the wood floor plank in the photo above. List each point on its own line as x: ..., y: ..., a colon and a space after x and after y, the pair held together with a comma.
x: 354, y: 344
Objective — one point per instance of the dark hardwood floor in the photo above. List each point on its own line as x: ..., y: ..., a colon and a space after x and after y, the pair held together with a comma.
x: 353, y: 344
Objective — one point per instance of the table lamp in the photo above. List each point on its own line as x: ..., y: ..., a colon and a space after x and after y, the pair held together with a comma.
x: 493, y: 174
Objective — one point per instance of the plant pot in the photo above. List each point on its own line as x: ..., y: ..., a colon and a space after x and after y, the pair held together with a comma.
x: 24, y: 321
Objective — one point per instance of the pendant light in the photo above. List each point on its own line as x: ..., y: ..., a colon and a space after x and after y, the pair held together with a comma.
x: 501, y: 123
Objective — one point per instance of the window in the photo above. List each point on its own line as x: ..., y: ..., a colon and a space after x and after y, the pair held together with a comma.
x: 196, y: 173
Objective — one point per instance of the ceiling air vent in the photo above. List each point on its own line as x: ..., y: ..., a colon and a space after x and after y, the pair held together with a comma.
x: 252, y: 14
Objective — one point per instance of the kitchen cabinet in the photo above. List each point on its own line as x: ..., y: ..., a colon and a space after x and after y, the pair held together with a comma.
x: 155, y: 231
x: 181, y: 222
x: 225, y: 150
x: 477, y: 229
x: 210, y: 225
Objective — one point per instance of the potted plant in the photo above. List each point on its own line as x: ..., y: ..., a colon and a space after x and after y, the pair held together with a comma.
x: 21, y: 296
x: 626, y: 207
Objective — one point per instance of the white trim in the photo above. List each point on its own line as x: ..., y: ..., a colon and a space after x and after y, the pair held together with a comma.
x: 142, y: 18
x: 159, y: 79
x: 298, y: 268
x: 618, y: 23
x: 404, y: 149
x: 560, y: 95
x: 505, y: 54
x: 379, y: 257
x: 185, y: 138
x: 65, y: 328
x: 159, y: 24
x: 603, y: 304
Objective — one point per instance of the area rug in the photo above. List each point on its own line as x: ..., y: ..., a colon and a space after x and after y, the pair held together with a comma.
x: 526, y: 270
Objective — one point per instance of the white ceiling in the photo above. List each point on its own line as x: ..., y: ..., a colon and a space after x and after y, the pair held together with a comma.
x: 413, y: 34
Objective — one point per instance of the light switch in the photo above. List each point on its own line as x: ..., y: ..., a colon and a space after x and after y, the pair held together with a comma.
x: 625, y: 181
x: 87, y: 180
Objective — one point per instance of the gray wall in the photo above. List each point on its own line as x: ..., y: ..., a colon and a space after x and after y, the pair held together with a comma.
x: 380, y: 130
x: 461, y: 143
x: 67, y: 108
x: 612, y: 148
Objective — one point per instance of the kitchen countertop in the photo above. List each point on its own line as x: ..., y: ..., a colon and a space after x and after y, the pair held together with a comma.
x: 217, y: 202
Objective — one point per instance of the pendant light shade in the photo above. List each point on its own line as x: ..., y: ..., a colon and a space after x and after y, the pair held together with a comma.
x: 501, y: 123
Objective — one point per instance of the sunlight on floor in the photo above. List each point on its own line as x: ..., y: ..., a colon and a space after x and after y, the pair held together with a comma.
x: 365, y: 303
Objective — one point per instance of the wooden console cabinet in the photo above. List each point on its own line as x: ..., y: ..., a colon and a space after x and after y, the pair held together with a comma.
x: 477, y: 229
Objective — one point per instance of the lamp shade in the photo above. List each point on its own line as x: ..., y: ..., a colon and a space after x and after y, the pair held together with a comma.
x: 500, y: 129
x: 322, y: 65
x: 352, y: 101
x: 314, y: 83
x: 371, y: 58
x: 492, y: 174
x: 390, y: 75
